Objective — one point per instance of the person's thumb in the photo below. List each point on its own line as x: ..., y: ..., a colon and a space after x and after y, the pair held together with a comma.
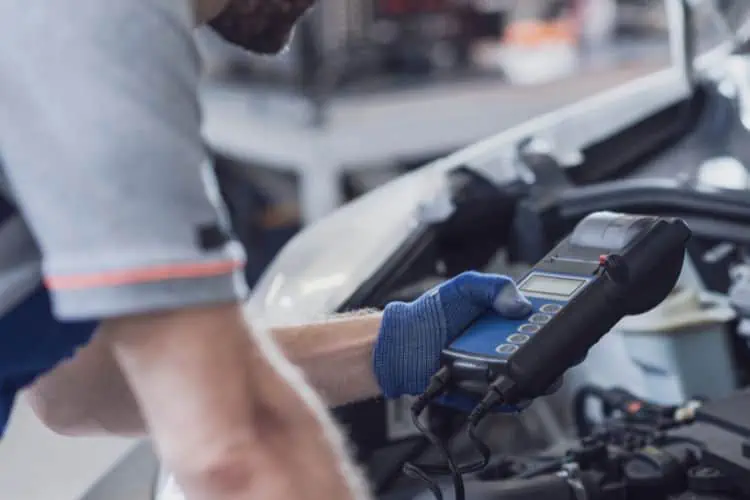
x: 493, y: 291
x: 510, y: 302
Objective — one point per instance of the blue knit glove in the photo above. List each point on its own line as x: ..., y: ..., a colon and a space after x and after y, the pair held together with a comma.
x: 412, y: 335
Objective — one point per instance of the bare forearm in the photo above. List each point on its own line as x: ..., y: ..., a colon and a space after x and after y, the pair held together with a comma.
x: 89, y: 394
x: 187, y: 370
x: 335, y: 355
x: 254, y: 426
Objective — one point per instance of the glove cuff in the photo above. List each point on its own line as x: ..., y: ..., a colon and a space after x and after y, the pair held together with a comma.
x: 408, y: 346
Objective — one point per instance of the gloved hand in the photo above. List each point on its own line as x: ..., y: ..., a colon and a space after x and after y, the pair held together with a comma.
x: 412, y: 335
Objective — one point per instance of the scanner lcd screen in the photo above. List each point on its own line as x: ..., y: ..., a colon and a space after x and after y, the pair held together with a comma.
x: 552, y: 285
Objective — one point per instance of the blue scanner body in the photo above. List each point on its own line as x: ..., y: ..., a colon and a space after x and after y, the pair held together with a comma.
x: 610, y: 266
x: 493, y: 336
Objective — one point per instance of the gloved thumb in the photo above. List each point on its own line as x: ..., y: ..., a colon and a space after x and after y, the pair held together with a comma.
x: 511, y: 303
x: 491, y: 290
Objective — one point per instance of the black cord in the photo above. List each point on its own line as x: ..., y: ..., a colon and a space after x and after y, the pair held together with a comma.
x: 481, y: 447
x: 493, y: 397
x: 438, y: 384
x: 413, y: 470
x: 497, y: 393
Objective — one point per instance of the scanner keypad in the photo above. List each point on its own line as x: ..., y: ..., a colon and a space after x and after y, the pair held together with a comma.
x: 528, y: 328
x: 506, y: 348
x: 523, y: 333
x: 518, y: 338
x: 540, y: 318
x: 536, y: 320
x: 550, y: 308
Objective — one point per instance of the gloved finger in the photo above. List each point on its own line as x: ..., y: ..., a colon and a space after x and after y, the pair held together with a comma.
x: 493, y: 291
x: 511, y: 303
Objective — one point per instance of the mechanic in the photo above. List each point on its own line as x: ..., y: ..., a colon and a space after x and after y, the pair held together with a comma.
x: 112, y: 222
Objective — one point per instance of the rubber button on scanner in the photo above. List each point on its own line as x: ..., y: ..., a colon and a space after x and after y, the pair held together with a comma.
x: 518, y: 338
x: 528, y: 328
x: 506, y: 348
x: 550, y: 308
x: 540, y: 318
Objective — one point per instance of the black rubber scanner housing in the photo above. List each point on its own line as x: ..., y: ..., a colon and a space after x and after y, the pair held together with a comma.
x: 635, y: 262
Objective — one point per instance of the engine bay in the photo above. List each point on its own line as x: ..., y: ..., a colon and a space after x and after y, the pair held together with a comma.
x: 669, y: 420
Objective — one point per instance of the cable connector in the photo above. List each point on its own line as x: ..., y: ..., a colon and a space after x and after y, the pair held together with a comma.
x: 438, y: 384
x: 498, y: 393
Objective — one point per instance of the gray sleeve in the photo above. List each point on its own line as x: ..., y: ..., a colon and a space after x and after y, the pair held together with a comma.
x: 100, y: 133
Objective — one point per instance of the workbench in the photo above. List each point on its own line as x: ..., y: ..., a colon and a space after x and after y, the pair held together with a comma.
x: 363, y: 132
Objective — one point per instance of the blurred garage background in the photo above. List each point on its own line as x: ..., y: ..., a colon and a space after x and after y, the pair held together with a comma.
x: 367, y: 90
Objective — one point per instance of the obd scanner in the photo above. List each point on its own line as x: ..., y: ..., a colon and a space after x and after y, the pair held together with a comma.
x: 611, y: 265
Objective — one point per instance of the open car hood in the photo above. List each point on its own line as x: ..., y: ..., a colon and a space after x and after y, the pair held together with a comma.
x: 320, y: 269
x: 328, y: 261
